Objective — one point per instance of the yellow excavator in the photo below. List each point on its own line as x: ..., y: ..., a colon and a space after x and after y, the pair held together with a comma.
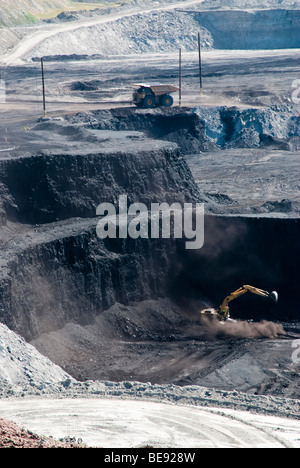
x: 222, y: 313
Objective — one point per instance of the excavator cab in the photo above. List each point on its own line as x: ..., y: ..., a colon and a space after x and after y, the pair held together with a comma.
x: 223, y: 313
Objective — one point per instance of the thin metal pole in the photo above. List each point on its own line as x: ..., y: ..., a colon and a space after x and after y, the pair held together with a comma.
x: 43, y: 80
x: 200, y: 61
x: 180, y: 77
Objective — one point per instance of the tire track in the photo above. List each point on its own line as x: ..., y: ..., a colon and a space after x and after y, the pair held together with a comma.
x: 122, y: 423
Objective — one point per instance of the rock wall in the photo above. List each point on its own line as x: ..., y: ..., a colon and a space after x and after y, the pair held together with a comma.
x: 154, y: 32
x: 57, y: 270
x: 50, y: 187
x: 204, y: 129
x: 256, y: 29
x: 60, y: 276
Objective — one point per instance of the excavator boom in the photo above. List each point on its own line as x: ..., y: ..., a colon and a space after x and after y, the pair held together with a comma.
x: 223, y: 311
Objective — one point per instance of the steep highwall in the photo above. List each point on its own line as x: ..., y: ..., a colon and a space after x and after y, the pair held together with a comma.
x: 202, y: 128
x: 256, y: 29
x: 181, y: 126
x: 59, y: 275
x: 50, y: 187
x: 60, y: 271
x: 57, y: 270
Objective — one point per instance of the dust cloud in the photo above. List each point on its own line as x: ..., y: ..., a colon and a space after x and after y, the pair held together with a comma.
x: 212, y: 327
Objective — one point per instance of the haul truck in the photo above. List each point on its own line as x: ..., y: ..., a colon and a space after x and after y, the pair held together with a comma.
x: 153, y: 95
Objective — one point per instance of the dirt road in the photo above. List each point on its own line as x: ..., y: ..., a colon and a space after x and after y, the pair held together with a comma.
x: 112, y: 423
x: 29, y: 42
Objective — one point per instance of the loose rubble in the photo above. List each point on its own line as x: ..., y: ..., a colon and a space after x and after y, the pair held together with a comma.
x: 30, y: 375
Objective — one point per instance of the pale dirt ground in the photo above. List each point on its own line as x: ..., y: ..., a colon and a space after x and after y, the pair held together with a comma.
x: 113, y: 423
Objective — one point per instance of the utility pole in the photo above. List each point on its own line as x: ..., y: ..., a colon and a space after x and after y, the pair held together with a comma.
x: 43, y: 81
x: 180, y: 77
x: 200, y: 61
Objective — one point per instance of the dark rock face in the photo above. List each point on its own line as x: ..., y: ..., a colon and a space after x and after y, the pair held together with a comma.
x: 47, y: 188
x: 204, y: 129
x: 60, y: 271
x: 260, y: 29
x: 181, y: 126
x: 59, y: 276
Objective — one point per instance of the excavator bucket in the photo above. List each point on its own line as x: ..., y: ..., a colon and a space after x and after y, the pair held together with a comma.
x: 274, y: 296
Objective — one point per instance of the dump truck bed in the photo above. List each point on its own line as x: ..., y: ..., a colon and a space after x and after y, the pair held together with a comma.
x: 157, y: 88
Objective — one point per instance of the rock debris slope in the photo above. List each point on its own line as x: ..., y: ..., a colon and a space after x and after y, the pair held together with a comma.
x: 22, y: 366
x: 40, y: 397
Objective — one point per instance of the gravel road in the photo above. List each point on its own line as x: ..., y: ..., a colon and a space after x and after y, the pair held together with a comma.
x: 114, y: 423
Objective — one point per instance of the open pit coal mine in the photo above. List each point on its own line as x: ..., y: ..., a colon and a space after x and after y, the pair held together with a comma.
x: 128, y: 309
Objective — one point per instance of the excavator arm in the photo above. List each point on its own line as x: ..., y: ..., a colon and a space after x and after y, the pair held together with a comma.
x: 224, y: 308
x: 223, y: 311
